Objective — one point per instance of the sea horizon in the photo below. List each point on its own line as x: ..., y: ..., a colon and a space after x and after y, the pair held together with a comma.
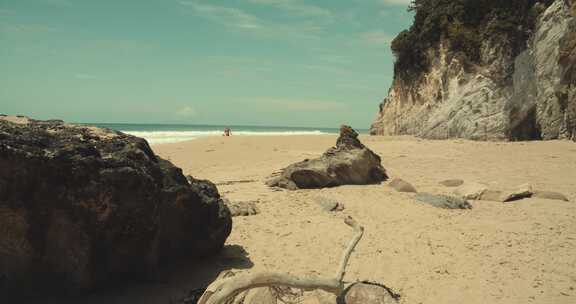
x: 156, y: 133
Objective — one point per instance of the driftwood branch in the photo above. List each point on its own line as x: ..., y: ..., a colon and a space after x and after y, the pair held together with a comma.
x: 225, y: 289
x: 344, y: 260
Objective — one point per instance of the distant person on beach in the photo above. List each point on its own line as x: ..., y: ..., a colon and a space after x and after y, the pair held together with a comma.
x: 227, y: 132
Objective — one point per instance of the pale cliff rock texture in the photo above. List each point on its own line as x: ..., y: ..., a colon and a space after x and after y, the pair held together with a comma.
x: 503, y: 97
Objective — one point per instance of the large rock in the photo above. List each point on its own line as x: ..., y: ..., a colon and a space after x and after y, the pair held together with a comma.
x: 81, y: 207
x: 349, y: 163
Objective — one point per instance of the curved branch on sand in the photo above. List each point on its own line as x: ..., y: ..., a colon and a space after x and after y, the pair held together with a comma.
x: 225, y: 289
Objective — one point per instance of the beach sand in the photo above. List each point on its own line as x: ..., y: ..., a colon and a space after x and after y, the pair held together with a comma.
x: 520, y: 252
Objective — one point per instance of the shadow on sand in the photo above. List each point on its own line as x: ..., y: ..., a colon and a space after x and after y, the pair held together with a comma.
x: 172, y: 284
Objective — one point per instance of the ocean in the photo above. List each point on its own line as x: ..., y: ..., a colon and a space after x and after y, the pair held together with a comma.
x: 169, y: 133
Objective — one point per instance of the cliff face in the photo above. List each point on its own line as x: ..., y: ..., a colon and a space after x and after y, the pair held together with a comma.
x: 502, y: 96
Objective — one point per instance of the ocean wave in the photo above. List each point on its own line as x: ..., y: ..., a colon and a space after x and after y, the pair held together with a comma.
x: 160, y: 137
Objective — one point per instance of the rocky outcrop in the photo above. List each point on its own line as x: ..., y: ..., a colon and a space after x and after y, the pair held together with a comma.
x: 348, y: 163
x: 82, y: 207
x: 503, y: 97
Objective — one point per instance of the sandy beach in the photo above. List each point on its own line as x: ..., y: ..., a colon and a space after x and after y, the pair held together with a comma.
x: 288, y: 151
x: 519, y: 252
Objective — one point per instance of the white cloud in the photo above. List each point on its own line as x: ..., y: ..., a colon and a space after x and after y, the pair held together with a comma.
x: 296, y: 7
x: 186, y: 112
x: 228, y: 16
x: 241, y: 20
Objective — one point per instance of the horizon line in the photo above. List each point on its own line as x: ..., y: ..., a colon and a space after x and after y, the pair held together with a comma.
x: 209, y: 125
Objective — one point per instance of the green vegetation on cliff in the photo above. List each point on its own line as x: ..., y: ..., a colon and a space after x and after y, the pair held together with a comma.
x: 464, y: 25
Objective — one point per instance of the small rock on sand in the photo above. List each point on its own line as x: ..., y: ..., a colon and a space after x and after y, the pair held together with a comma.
x: 522, y: 191
x: 443, y: 201
x: 471, y: 191
x: 329, y: 204
x: 242, y: 208
x: 550, y: 195
x: 401, y: 185
x: 491, y: 195
x: 367, y: 293
x: 452, y: 182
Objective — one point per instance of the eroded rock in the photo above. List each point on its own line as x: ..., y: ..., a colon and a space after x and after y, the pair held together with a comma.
x: 82, y: 207
x: 348, y: 163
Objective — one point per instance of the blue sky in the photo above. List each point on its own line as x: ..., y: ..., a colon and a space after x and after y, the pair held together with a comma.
x: 253, y: 62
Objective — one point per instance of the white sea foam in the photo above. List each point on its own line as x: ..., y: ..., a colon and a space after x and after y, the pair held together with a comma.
x: 160, y: 137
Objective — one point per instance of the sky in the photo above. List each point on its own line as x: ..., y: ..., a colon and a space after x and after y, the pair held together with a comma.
x: 234, y: 62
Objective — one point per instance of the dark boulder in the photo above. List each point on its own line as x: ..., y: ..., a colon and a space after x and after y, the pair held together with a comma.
x: 348, y: 163
x: 82, y: 207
